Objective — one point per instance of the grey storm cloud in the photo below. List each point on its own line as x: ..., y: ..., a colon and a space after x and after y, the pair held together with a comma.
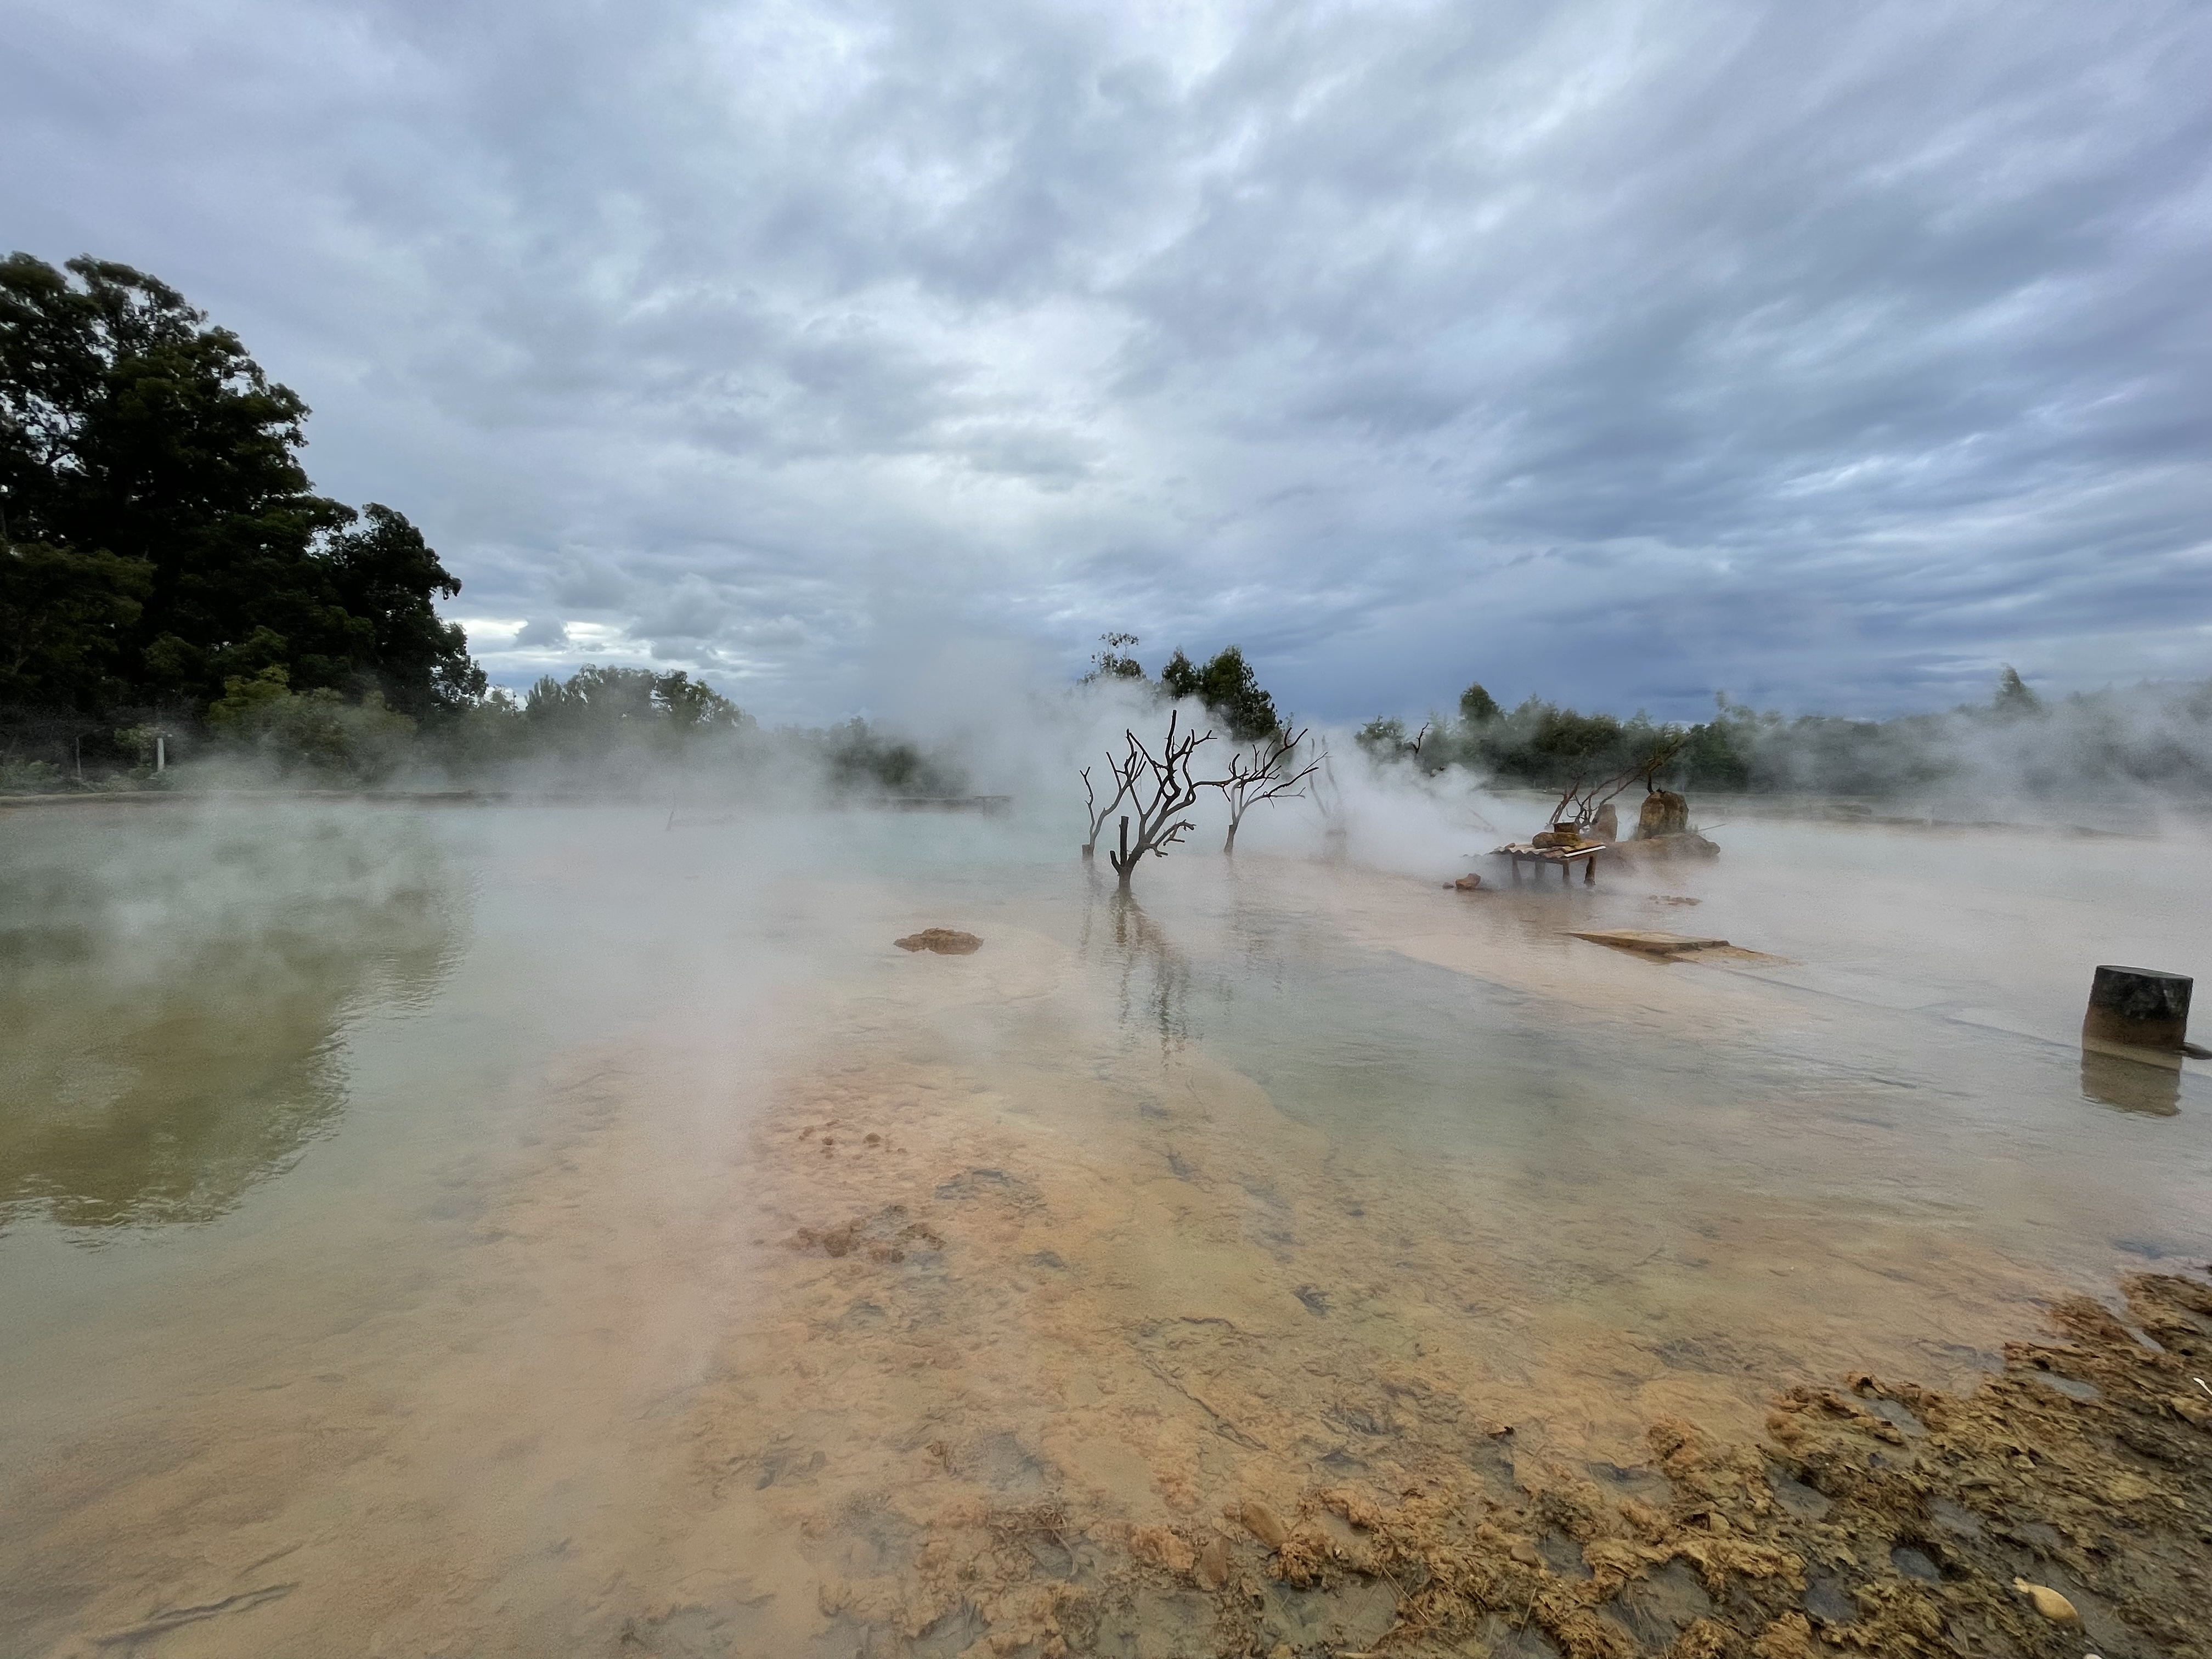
x: 1620, y: 353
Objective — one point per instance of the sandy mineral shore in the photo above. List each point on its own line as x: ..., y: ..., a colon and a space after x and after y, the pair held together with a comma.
x: 1174, y: 1385
x: 1075, y: 1343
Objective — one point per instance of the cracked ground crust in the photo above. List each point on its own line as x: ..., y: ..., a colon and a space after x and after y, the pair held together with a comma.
x: 1042, y: 1424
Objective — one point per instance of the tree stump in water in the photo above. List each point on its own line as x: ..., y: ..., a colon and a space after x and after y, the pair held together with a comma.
x: 2140, y: 1007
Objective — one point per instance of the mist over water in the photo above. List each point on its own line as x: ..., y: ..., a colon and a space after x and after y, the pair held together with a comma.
x: 528, y: 1229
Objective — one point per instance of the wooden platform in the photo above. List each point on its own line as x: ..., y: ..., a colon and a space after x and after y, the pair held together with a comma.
x: 1565, y: 858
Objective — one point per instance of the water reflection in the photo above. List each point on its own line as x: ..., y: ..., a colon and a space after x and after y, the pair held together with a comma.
x: 1152, y: 975
x: 175, y: 1002
x: 2131, y: 1085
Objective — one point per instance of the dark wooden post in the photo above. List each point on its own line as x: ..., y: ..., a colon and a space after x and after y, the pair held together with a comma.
x: 1124, y: 843
x: 2139, y: 1006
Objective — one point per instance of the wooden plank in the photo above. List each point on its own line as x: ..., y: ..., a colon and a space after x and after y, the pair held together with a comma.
x: 1651, y: 941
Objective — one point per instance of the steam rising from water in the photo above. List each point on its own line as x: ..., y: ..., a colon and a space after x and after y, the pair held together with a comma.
x: 461, y: 1182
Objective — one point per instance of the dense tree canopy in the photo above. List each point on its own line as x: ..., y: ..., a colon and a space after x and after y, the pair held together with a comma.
x: 163, y: 537
x: 1477, y: 705
x: 1228, y: 688
x: 597, y: 707
x: 2152, y: 737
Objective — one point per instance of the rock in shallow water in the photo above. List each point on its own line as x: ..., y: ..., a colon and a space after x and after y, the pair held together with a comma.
x: 945, y: 941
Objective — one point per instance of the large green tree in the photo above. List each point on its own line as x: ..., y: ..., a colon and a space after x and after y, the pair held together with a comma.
x: 132, y: 431
x: 1228, y: 688
x: 63, y: 615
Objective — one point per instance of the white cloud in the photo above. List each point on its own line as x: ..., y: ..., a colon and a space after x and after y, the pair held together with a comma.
x: 545, y: 634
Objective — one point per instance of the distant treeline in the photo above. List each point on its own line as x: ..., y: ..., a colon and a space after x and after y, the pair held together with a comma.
x: 2117, y: 745
x: 607, y: 728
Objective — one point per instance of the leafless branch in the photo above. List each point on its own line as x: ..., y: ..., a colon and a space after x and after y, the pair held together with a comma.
x: 1262, y: 774
x: 1161, y: 788
x: 1578, y: 805
x: 1099, y: 813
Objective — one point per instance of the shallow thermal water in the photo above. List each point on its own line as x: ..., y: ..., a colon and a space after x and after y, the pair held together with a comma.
x: 527, y: 1230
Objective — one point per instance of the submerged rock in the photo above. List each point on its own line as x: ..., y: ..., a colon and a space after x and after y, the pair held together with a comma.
x: 945, y: 941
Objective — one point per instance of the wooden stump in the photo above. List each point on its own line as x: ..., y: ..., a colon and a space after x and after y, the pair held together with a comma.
x: 2139, y: 1006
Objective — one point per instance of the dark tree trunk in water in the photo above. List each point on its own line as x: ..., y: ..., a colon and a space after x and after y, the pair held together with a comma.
x: 1159, y: 786
x: 2142, y: 1006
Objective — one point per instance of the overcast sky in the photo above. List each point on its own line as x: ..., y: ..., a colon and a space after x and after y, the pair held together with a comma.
x: 1828, y: 355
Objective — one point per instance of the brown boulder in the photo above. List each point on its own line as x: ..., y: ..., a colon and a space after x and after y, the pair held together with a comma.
x: 1665, y: 813
x: 945, y: 941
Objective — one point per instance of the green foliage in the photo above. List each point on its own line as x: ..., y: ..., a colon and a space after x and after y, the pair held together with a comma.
x: 1179, y: 675
x: 693, y: 706
x: 596, y: 710
x: 606, y: 723
x: 1113, y: 662
x: 1383, y: 737
x: 2013, y: 698
x: 1563, y: 741
x: 63, y: 617
x: 30, y: 777
x: 158, y: 463
x: 315, y: 731
x: 1477, y: 706
x: 385, y: 573
x: 1542, y: 745
x: 1228, y: 689
x: 1715, y: 757
x: 861, y: 761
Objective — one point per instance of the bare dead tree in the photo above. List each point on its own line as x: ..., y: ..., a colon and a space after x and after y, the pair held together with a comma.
x: 1262, y: 774
x: 1578, y: 803
x: 1328, y: 801
x: 1099, y: 813
x: 1161, y: 788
